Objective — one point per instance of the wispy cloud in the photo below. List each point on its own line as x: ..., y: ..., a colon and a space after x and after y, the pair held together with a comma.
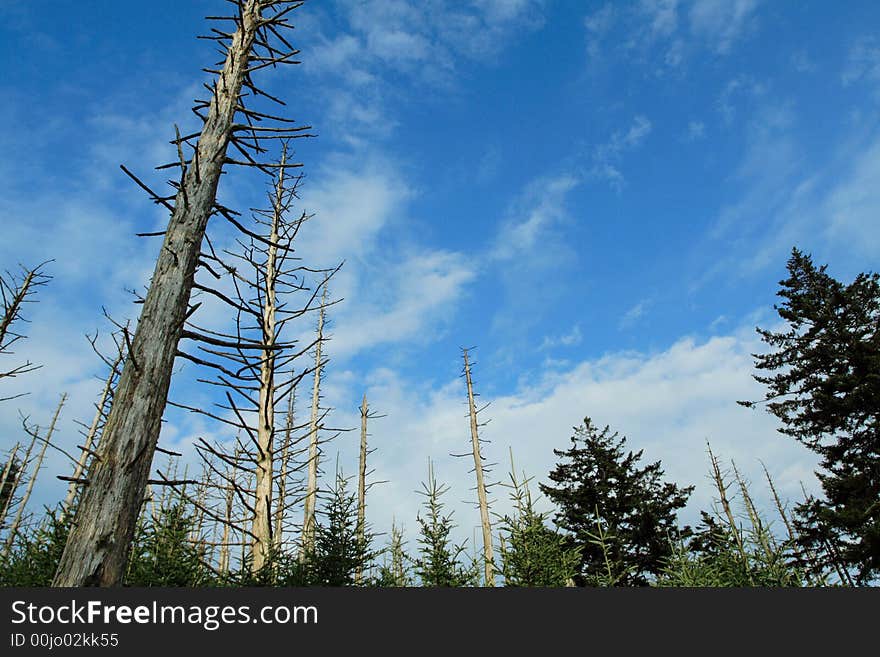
x: 571, y: 339
x: 606, y: 156
x: 634, y: 314
x: 721, y: 22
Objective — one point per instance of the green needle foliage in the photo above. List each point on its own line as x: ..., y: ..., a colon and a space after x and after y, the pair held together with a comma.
x: 35, y: 555
x: 616, y: 512
x: 338, y: 553
x: 439, y: 562
x: 532, y: 554
x: 824, y: 386
x: 164, y: 552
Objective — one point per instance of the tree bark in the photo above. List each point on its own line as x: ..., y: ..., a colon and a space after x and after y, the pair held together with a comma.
x: 13, y: 528
x: 97, y: 549
x: 481, y: 486
x: 262, y: 526
x: 280, y: 507
x: 362, y: 486
x: 308, y: 531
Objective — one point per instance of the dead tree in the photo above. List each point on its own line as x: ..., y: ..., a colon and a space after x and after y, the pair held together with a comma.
x: 250, y: 362
x: 10, y: 474
x: 479, y: 468
x: 283, y: 475
x: 363, y: 487
x: 308, y: 527
x: 14, y: 294
x: 87, y: 449
x: 13, y: 528
x: 97, y: 549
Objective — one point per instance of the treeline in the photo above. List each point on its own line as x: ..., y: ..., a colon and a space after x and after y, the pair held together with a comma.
x: 257, y: 513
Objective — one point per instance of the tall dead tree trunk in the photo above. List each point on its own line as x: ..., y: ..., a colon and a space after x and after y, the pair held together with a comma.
x: 281, y: 506
x: 88, y: 445
x: 481, y: 485
x: 7, y: 490
x: 262, y: 525
x: 308, y: 530
x: 362, y: 484
x: 13, y: 528
x: 97, y: 549
x: 16, y: 481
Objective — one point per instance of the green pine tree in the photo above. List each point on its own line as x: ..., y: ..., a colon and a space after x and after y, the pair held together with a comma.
x: 35, y: 554
x: 164, y: 553
x: 618, y: 514
x: 338, y: 552
x: 824, y: 386
x: 439, y: 561
x: 532, y: 554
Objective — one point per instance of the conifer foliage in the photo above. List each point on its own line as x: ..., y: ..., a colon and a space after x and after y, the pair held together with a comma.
x: 824, y: 386
x: 620, y: 515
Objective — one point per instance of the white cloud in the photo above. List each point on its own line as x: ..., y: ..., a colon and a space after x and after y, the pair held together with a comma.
x: 662, y: 15
x: 533, y: 219
x: 607, y: 155
x: 721, y: 22
x: 571, y: 339
x: 413, y: 300
x: 863, y: 64
x: 668, y: 403
x: 851, y: 205
x: 634, y: 314
x: 696, y: 130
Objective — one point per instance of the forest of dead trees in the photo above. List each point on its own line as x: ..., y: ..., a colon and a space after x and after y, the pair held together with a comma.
x: 268, y: 505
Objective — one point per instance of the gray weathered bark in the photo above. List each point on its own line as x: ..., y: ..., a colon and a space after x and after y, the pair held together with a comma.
x: 97, y: 549
x: 308, y: 530
x: 481, y: 486
x: 362, y: 485
x: 5, y: 478
x: 281, y: 506
x: 262, y: 525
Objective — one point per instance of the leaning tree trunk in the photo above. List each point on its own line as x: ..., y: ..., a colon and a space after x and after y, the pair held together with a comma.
x: 98, y: 546
x: 481, y: 485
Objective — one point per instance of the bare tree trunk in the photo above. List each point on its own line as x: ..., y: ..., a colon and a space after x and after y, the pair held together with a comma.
x: 481, y: 486
x: 308, y: 531
x: 280, y: 508
x: 6, y: 472
x: 16, y: 482
x: 13, y: 528
x: 262, y: 526
x: 90, y: 440
x: 99, y: 543
x: 362, y: 485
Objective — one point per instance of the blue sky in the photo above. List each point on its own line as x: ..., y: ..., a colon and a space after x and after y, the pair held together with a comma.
x: 600, y: 197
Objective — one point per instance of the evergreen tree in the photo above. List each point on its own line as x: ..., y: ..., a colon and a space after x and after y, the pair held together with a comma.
x: 440, y: 561
x: 532, y: 554
x: 824, y: 385
x: 339, y: 550
x: 621, y: 516
x: 35, y: 554
x: 163, y: 552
